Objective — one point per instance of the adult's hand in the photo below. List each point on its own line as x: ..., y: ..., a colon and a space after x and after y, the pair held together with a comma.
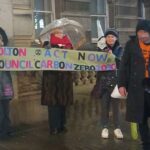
x: 123, y: 91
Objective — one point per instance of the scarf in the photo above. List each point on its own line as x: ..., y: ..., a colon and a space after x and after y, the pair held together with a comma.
x: 62, y: 43
x: 146, y: 54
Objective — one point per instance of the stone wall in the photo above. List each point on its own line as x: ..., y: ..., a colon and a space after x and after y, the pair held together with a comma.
x: 6, y: 18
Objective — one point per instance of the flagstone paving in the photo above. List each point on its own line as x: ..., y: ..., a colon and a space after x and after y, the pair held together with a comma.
x: 83, y: 130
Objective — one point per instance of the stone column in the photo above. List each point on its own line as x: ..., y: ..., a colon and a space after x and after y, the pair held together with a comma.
x: 6, y: 18
x: 111, y: 13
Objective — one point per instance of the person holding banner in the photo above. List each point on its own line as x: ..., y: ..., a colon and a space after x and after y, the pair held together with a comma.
x: 105, y: 84
x: 6, y: 94
x: 57, y: 86
x: 134, y: 79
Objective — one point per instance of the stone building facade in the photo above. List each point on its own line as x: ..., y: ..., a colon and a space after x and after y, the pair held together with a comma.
x: 24, y: 19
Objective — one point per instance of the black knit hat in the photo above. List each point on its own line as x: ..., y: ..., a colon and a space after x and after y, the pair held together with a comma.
x: 111, y: 31
x: 143, y: 25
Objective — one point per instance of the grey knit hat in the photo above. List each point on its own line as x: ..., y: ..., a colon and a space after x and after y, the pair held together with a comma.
x: 111, y: 31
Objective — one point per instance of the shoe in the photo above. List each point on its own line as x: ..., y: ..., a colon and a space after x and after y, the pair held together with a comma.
x: 62, y: 130
x: 4, y: 137
x: 54, y: 131
x: 11, y: 133
x: 105, y: 133
x: 118, y: 133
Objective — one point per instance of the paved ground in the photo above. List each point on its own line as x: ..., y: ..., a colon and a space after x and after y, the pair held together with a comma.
x: 83, y: 130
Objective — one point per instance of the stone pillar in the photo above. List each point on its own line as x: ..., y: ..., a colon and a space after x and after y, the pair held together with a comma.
x: 111, y: 13
x: 59, y: 5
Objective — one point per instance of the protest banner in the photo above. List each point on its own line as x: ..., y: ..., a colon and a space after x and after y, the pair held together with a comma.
x: 34, y: 59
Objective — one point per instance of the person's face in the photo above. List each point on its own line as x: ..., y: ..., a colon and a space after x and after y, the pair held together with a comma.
x: 110, y: 39
x: 59, y: 34
x: 143, y: 36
